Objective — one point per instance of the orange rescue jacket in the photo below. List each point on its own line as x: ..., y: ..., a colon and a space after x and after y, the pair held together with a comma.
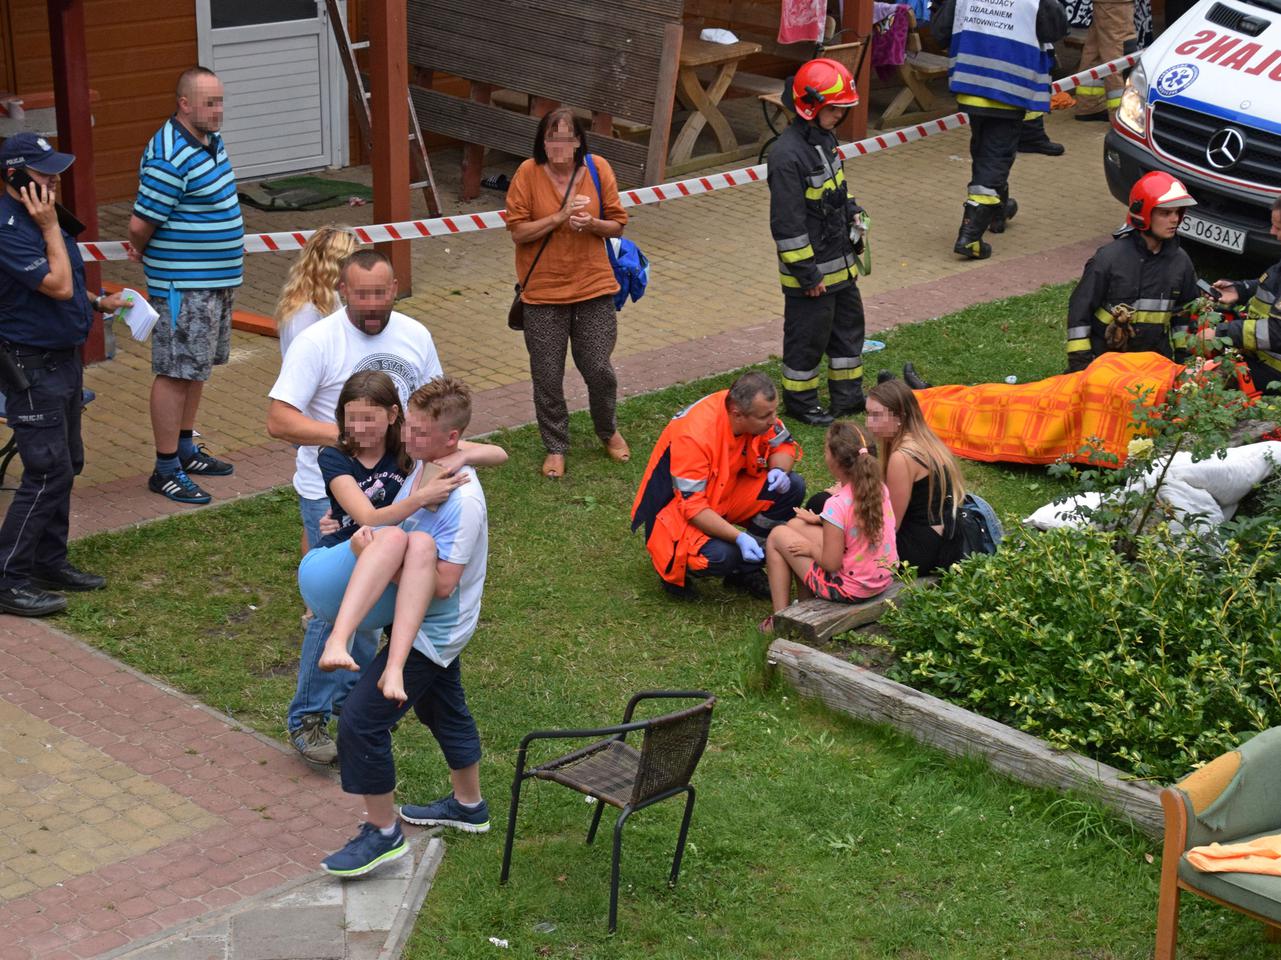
x: 698, y: 464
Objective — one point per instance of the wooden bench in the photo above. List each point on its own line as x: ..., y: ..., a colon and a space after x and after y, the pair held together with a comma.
x: 817, y: 621
x: 916, y: 71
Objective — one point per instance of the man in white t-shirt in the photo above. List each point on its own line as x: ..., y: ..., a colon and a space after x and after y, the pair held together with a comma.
x: 437, y: 415
x: 366, y: 335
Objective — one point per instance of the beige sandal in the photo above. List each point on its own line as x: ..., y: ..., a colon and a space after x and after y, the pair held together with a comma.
x: 554, y: 466
x: 617, y: 448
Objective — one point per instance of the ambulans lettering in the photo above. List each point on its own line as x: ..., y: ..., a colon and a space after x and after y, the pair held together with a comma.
x: 1230, y: 52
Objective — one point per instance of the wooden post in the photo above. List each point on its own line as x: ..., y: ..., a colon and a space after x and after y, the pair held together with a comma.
x: 75, y: 135
x: 474, y: 153
x: 389, y: 104
x: 856, y: 21
x: 664, y: 102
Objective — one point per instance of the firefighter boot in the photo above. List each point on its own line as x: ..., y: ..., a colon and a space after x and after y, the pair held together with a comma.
x: 1005, y: 210
x: 974, y: 222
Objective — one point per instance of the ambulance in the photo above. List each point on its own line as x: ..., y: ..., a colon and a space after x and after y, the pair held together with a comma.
x: 1204, y: 104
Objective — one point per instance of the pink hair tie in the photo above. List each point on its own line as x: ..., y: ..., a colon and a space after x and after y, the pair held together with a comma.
x: 862, y: 450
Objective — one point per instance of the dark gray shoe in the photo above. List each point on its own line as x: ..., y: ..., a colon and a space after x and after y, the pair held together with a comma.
x: 31, y: 602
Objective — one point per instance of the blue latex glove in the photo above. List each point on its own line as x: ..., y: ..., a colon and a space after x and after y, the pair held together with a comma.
x: 777, y: 481
x: 749, y: 548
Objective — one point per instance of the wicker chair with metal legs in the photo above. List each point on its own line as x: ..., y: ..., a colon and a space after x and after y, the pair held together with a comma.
x: 615, y: 772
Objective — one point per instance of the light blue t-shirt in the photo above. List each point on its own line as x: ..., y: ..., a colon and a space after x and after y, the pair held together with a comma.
x: 460, y: 527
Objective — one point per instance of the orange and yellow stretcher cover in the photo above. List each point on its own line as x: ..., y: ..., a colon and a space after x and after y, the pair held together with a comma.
x: 1042, y: 421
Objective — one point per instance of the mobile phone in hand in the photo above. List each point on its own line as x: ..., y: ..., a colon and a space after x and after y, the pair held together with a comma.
x: 1209, y: 291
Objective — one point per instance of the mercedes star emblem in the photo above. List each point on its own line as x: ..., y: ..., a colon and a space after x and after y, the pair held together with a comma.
x: 1225, y: 148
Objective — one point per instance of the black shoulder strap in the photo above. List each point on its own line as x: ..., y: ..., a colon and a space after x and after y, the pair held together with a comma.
x: 547, y: 237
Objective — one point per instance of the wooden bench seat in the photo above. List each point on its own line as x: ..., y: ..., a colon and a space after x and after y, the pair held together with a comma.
x: 817, y: 621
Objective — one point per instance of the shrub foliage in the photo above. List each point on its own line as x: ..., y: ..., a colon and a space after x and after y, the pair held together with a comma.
x: 1154, y: 665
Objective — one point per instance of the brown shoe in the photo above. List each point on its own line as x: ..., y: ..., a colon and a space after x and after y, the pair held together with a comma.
x: 554, y: 466
x: 617, y: 448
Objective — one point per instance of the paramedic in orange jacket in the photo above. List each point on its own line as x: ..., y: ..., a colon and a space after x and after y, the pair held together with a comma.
x: 724, y: 462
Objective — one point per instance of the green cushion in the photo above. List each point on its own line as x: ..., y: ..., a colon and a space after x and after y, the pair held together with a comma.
x: 1259, y: 893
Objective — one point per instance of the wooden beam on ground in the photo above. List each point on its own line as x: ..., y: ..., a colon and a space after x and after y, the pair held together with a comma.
x: 860, y: 693
x: 389, y: 105
x: 817, y: 621
x: 75, y: 135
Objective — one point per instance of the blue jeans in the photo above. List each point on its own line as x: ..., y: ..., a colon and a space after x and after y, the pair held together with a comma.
x: 317, y: 691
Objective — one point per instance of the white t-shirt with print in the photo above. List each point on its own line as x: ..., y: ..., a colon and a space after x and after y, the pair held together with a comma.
x: 460, y: 527
x: 322, y: 357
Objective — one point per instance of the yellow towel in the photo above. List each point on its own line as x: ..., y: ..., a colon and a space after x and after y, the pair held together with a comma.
x: 1260, y: 855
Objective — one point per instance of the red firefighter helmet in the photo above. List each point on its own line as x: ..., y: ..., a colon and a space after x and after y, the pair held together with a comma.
x: 1153, y: 190
x: 822, y: 83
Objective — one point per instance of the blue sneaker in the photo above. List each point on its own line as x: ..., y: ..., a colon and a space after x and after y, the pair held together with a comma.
x: 366, y: 851
x: 448, y: 812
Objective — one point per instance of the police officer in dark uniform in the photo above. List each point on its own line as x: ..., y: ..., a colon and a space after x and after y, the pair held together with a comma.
x: 45, y: 316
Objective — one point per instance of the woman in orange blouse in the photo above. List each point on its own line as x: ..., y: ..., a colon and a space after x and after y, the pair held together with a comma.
x: 569, y: 297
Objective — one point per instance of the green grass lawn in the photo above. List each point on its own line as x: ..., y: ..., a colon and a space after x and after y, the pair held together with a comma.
x: 813, y: 836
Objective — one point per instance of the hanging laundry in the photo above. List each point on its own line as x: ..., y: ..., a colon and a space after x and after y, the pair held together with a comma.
x: 801, y: 21
x: 889, y: 38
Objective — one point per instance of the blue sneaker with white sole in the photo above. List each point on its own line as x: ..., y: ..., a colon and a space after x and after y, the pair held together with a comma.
x: 366, y: 851
x: 448, y: 812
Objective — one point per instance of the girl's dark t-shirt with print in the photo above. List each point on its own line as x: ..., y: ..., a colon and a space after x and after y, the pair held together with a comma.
x: 379, y: 483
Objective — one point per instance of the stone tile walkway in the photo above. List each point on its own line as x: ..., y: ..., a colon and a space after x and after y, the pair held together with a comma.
x: 136, y: 822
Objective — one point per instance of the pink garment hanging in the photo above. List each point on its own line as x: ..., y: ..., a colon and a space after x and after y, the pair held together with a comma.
x: 889, y: 38
x: 801, y: 21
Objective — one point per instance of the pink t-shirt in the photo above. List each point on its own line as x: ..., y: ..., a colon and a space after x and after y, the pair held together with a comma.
x: 861, y: 564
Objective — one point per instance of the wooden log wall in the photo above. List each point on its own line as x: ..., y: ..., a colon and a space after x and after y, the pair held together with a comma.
x: 599, y: 57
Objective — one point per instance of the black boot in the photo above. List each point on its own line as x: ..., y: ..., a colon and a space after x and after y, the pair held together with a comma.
x: 1005, y: 210
x: 885, y: 376
x: 913, y: 379
x: 1034, y: 139
x: 974, y: 223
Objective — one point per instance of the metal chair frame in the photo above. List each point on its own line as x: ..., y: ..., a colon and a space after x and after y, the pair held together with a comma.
x: 610, y: 734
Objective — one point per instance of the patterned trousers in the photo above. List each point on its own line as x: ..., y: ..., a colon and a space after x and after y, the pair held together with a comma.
x: 589, y: 329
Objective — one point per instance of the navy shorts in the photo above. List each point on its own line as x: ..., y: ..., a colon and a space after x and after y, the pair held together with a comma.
x: 364, y: 729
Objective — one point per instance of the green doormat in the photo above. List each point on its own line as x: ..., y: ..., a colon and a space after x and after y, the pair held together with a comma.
x: 302, y: 193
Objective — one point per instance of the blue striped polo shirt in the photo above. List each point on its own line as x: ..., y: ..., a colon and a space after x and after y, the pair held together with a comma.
x: 188, y: 190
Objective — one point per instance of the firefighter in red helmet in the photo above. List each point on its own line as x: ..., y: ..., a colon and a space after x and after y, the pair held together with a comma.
x: 816, y: 223
x: 1135, y: 292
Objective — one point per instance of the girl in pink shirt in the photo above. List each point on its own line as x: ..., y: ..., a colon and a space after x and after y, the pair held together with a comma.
x: 848, y: 553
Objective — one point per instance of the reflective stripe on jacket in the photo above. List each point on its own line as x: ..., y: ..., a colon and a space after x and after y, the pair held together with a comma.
x: 1258, y: 333
x: 809, y: 210
x: 698, y: 464
x: 1158, y: 287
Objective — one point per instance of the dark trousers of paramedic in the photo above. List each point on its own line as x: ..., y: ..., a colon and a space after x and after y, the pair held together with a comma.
x: 994, y: 143
x: 813, y: 326
x: 45, y: 420
x: 725, y: 558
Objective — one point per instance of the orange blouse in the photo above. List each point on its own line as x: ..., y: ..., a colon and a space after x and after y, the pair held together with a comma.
x: 575, y: 266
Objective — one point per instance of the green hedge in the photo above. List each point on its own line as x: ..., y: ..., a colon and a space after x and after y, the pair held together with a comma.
x: 1154, y: 665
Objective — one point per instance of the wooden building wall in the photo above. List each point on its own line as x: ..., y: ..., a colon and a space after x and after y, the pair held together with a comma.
x: 137, y: 49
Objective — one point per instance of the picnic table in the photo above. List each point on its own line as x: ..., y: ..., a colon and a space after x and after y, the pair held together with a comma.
x: 696, y: 55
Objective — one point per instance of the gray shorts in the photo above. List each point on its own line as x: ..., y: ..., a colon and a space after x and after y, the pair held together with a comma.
x: 200, y: 341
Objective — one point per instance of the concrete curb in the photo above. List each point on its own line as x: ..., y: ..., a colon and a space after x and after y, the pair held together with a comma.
x: 424, y: 876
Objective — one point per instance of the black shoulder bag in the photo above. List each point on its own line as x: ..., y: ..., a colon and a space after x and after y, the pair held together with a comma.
x: 516, y: 312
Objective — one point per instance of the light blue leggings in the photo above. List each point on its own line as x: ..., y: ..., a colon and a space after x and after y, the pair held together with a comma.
x: 322, y: 579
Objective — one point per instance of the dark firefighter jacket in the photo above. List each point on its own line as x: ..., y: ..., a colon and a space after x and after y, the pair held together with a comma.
x: 1158, y: 287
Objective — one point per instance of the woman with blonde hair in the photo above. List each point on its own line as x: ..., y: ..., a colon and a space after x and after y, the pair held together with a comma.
x: 923, y: 478
x: 311, y: 288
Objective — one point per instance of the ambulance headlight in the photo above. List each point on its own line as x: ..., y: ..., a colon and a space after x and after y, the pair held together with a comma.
x: 1132, y: 114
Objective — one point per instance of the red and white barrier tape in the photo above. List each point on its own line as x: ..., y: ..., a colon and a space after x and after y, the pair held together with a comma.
x: 496, y: 219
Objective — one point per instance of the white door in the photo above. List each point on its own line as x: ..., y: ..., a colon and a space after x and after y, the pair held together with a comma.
x: 286, y: 96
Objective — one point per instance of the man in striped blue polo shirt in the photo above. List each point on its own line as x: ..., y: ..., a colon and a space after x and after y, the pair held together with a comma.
x: 187, y: 232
